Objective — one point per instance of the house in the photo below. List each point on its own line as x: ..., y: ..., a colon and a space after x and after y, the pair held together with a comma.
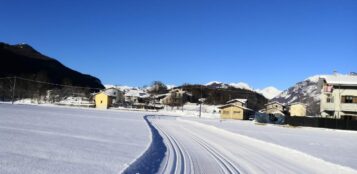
x: 108, y: 98
x: 297, y: 109
x: 238, y: 101
x: 235, y: 109
x: 274, y: 108
x: 134, y: 96
x: 175, y: 97
x: 338, y: 96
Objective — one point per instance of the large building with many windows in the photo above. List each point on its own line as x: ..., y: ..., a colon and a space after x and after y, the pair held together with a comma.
x: 339, y: 96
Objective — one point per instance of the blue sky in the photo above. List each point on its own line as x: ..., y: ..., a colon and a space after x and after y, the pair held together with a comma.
x: 133, y: 42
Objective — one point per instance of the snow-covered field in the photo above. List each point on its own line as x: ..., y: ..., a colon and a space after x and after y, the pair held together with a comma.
x: 335, y: 146
x: 38, y: 139
x: 45, y: 139
x: 194, y: 147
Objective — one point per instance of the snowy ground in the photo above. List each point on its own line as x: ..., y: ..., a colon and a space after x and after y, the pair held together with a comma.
x: 194, y: 147
x: 335, y: 146
x: 37, y: 139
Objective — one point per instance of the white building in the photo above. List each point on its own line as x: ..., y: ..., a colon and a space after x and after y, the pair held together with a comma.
x: 135, y: 96
x: 339, y: 96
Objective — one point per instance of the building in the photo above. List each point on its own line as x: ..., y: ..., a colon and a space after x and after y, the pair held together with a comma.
x: 339, y: 96
x: 239, y: 102
x: 108, y: 98
x: 297, y: 109
x: 274, y: 108
x: 134, y: 96
x: 176, y: 97
x: 236, y: 109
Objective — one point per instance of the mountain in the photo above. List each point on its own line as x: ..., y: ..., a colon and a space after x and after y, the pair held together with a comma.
x: 217, y: 93
x: 269, y: 92
x: 22, y: 60
x: 306, y: 92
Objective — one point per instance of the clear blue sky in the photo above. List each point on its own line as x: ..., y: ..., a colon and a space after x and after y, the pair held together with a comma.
x: 133, y: 42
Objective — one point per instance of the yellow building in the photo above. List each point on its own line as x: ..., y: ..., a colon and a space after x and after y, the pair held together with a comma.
x: 102, y: 101
x: 232, y: 111
x: 297, y: 109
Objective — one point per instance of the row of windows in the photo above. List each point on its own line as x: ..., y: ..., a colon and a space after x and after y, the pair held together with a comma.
x: 344, y: 99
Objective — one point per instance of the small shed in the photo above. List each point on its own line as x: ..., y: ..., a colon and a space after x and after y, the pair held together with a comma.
x: 297, y: 109
x: 233, y: 111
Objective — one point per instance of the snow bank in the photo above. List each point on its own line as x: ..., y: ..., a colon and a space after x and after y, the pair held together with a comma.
x: 37, y: 139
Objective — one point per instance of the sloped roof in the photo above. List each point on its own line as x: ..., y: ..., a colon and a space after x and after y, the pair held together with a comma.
x: 340, y: 79
x: 233, y: 105
x: 137, y: 93
x: 274, y: 102
x: 112, y: 92
x: 241, y: 100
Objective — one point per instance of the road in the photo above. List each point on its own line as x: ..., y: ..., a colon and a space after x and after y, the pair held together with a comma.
x: 194, y: 147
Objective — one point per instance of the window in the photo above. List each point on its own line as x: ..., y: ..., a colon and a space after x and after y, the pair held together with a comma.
x: 101, y: 101
x: 348, y: 99
x: 329, y: 98
x: 236, y: 112
x: 225, y: 112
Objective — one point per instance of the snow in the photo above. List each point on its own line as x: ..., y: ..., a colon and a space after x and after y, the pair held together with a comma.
x: 213, y: 82
x: 37, y: 139
x: 137, y: 93
x: 192, y: 110
x: 120, y: 87
x: 241, y: 85
x: 315, y: 78
x: 170, y: 86
x: 269, y: 92
x: 335, y: 146
x: 194, y: 147
x: 340, y: 79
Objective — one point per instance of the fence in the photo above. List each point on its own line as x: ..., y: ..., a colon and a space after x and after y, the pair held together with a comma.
x: 24, y: 90
x: 322, y: 122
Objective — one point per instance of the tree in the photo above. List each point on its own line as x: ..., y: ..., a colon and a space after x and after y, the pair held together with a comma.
x: 158, y: 87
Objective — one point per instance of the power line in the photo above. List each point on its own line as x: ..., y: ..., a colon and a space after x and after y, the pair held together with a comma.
x: 49, y: 83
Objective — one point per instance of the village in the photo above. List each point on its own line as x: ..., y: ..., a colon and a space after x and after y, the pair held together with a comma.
x: 338, y: 101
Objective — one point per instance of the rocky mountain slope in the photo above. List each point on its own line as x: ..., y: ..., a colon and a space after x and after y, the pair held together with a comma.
x: 22, y: 60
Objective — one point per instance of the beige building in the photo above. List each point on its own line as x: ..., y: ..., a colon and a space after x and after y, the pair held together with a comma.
x: 339, y: 96
x: 274, y: 108
x: 297, y: 109
x: 236, y: 109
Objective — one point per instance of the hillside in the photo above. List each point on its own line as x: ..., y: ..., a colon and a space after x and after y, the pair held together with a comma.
x: 217, y: 94
x: 305, y: 92
x: 22, y: 60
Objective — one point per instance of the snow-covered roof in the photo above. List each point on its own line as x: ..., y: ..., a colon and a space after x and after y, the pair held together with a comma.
x: 340, y: 79
x: 233, y: 105
x: 113, y: 92
x: 238, y: 100
x: 137, y: 93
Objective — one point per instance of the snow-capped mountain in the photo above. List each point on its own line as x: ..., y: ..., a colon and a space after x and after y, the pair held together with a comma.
x: 241, y: 85
x: 269, y: 92
x: 305, y: 92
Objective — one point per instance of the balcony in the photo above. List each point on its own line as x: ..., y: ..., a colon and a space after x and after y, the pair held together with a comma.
x: 329, y: 107
x: 350, y: 107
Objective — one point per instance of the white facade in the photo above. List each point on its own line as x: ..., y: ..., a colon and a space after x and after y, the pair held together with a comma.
x: 339, y: 96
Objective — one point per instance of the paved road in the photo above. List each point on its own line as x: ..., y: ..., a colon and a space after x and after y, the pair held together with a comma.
x: 198, y: 148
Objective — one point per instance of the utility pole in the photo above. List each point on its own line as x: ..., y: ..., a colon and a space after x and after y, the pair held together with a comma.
x: 13, y: 90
